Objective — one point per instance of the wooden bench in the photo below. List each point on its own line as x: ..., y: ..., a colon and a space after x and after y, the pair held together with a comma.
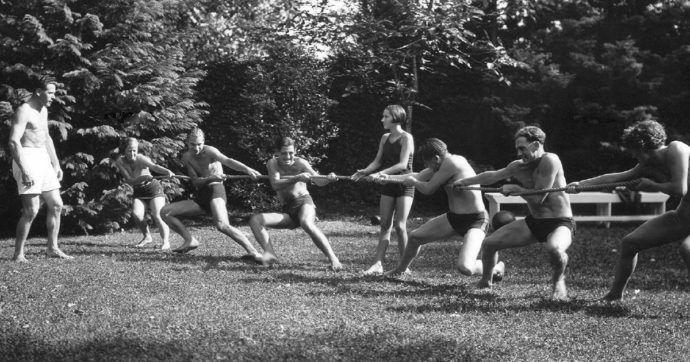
x: 602, y: 200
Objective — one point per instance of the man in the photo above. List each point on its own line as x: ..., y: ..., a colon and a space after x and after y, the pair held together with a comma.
x: 205, y: 167
x: 298, y: 206
x: 134, y: 168
x: 466, y: 217
x: 36, y: 169
x: 550, y: 218
x: 660, y: 168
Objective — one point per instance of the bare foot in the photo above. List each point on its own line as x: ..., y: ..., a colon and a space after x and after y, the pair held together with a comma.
x: 499, y: 271
x: 268, y: 259
x: 187, y: 246
x: 397, y: 273
x: 336, y: 266
x: 57, y: 253
x: 376, y: 269
x: 559, y: 291
x: 165, y: 246
x: 483, y: 283
x: 145, y: 241
x: 612, y: 297
x: 20, y: 258
x: 252, y: 258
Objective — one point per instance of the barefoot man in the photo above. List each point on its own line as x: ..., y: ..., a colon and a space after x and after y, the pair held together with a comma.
x: 298, y: 206
x: 550, y: 220
x: 36, y: 169
x: 205, y: 167
x: 134, y: 168
x: 466, y: 217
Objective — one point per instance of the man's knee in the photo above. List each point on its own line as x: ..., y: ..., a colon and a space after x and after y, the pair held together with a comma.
x: 257, y: 221
x: 400, y: 226
x: 630, y: 245
x: 30, y: 212
x: 465, y: 267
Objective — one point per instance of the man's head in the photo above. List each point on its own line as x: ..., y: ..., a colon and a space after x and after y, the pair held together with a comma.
x: 644, y: 136
x: 432, y: 151
x: 195, y: 140
x: 43, y: 91
x: 284, y: 148
x: 529, y: 143
x: 130, y: 148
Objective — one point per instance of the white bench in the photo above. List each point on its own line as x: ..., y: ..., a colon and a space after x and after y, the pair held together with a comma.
x: 603, y: 201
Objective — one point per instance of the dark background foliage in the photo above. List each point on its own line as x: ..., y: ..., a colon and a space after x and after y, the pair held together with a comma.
x: 470, y: 74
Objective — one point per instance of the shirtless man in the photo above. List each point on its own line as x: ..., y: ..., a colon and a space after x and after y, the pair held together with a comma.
x: 205, y: 167
x: 36, y: 169
x: 298, y: 206
x: 134, y: 167
x: 661, y: 168
x: 550, y: 220
x: 466, y: 217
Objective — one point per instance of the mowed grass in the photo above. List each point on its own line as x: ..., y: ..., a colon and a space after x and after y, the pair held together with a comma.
x: 115, y: 302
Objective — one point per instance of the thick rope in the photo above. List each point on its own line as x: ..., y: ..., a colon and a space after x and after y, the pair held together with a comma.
x: 574, y: 189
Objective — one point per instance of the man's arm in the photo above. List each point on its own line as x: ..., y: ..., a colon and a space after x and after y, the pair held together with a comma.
x: 630, y: 174
x: 489, y: 177
x: 439, y: 178
x: 17, y: 129
x: 544, y: 179
x: 232, y: 163
x: 147, y: 162
x: 278, y: 183
x: 53, y: 155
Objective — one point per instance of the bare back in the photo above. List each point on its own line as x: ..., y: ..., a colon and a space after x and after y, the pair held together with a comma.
x: 460, y: 201
x: 671, y: 164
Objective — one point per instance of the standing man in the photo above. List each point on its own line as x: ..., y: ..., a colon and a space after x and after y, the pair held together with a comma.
x: 36, y: 169
x: 466, y: 217
x: 661, y: 168
x: 205, y: 167
x: 550, y: 220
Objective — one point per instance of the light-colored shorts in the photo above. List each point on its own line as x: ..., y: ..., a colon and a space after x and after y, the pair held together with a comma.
x: 40, y: 169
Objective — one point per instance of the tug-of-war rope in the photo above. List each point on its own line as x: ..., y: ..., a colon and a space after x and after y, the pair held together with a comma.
x: 571, y: 189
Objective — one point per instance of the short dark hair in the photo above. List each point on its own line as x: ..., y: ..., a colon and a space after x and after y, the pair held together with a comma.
x: 644, y: 135
x: 397, y: 112
x: 282, y: 141
x: 531, y: 134
x: 431, y: 147
x: 40, y: 82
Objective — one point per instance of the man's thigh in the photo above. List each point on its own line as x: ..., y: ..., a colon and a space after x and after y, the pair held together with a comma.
x: 514, y: 235
x: 437, y: 228
x: 560, y: 239
x: 660, y: 230
x: 184, y: 208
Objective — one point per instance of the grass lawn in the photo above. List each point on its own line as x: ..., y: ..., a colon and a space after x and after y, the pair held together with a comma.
x: 115, y: 302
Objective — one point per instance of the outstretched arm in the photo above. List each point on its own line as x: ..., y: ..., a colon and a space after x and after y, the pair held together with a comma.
x: 155, y: 167
x: 489, y: 177
x: 374, y: 165
x: 630, y: 174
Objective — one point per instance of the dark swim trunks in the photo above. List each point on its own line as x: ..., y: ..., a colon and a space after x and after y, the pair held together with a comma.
x: 542, y: 228
x: 462, y: 223
x: 292, y: 207
x: 209, y: 192
x: 397, y: 190
x: 148, y: 190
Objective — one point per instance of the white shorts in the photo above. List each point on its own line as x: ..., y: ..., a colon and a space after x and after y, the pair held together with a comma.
x: 40, y: 169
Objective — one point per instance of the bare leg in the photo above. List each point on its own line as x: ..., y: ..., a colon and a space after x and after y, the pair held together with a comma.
x: 467, y: 263
x: 30, y: 206
x: 156, y: 204
x: 661, y: 230
x: 685, y: 252
x: 402, y: 212
x: 437, y: 228
x: 258, y: 224
x: 513, y: 235
x: 307, y: 221
x: 139, y: 214
x: 54, y: 210
x: 170, y: 214
x: 220, y: 218
x: 556, y: 245
x: 386, y: 209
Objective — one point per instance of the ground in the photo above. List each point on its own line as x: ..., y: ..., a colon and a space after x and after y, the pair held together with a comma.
x: 121, y: 303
